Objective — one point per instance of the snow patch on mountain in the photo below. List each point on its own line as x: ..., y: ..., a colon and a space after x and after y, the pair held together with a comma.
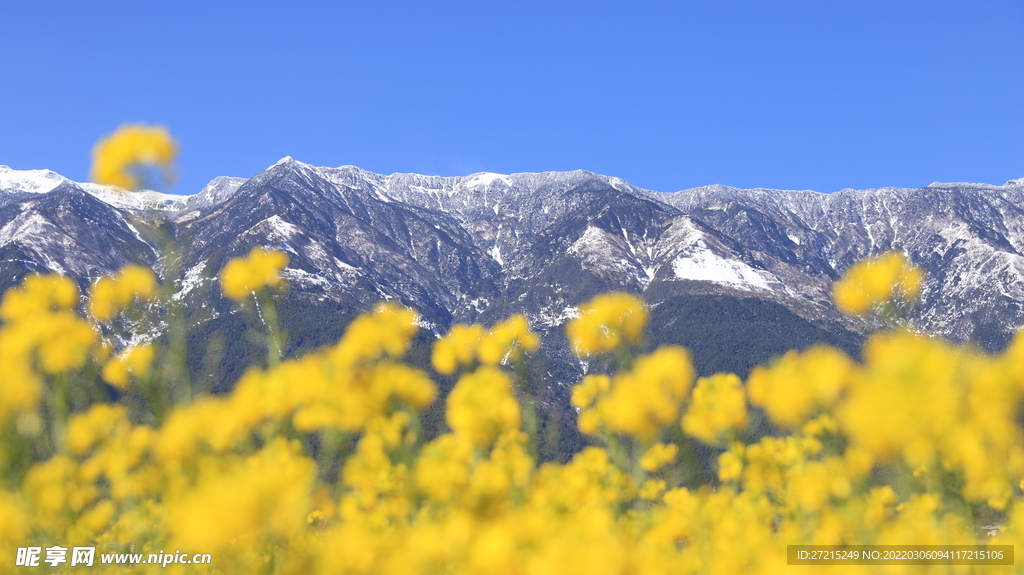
x: 278, y: 228
x: 29, y: 181
x: 27, y: 226
x: 193, y: 277
x: 187, y: 217
x: 219, y: 190
x: 485, y: 179
x: 353, y: 177
x: 301, y: 276
x: 703, y: 264
x: 613, y: 256
x: 619, y: 184
x: 597, y: 248
x: 555, y: 315
x: 495, y: 253
x: 145, y: 202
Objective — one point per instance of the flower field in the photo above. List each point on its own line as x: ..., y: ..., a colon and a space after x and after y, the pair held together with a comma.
x: 318, y: 464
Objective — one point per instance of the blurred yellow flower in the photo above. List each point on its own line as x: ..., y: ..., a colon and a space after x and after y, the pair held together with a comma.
x: 261, y: 268
x: 234, y: 504
x: 652, y: 489
x: 37, y: 295
x: 507, y: 340
x: 132, y: 362
x: 109, y: 295
x: 482, y: 406
x: 464, y: 343
x: 65, y: 341
x: 443, y: 467
x: 659, y: 455
x: 362, y: 494
x: 718, y: 405
x: 94, y: 426
x: 457, y: 348
x: 606, y: 322
x: 730, y: 464
x: 791, y: 387
x: 642, y: 400
x: 586, y: 392
x: 874, y: 281
x: 127, y: 157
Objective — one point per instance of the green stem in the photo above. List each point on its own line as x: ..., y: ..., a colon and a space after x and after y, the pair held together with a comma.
x: 638, y: 473
x: 181, y: 387
x: 618, y: 454
x: 530, y: 420
x: 155, y: 398
x: 174, y: 371
x: 59, y: 413
x: 526, y: 401
x: 267, y: 309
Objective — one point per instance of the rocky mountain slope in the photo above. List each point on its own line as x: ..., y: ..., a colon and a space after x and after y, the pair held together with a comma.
x: 481, y: 247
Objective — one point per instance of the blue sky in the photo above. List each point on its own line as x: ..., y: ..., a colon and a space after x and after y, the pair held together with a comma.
x: 666, y: 95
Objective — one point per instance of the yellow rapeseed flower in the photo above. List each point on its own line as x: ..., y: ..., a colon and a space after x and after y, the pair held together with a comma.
x: 874, y: 281
x: 482, y: 406
x: 387, y: 331
x: 652, y: 489
x: 266, y: 495
x: 261, y: 268
x: 730, y: 463
x: 109, y: 295
x: 718, y: 404
x: 38, y: 295
x: 794, y: 385
x: 586, y: 392
x: 87, y: 429
x: 811, y: 484
x: 14, y: 519
x: 443, y: 467
x: 65, y: 341
x: 606, y: 322
x: 219, y: 476
x: 406, y: 383
x: 507, y: 340
x: 457, y: 348
x: 908, y: 398
x: 126, y: 157
x: 659, y: 455
x: 649, y: 396
x: 132, y: 362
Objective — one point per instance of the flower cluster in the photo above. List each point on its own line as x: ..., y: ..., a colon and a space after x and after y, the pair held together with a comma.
x: 794, y: 385
x: 875, y: 281
x: 637, y: 403
x: 134, y: 361
x: 130, y: 156
x: 41, y: 334
x: 110, y: 295
x: 241, y: 277
x: 719, y: 405
x: 465, y: 343
x: 607, y: 322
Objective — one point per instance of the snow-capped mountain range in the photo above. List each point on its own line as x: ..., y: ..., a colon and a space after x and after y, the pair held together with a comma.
x: 480, y: 247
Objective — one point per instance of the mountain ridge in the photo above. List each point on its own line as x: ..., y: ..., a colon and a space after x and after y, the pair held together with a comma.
x: 540, y: 243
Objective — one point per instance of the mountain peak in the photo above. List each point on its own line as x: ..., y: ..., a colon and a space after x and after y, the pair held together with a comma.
x: 486, y: 179
x: 33, y: 181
